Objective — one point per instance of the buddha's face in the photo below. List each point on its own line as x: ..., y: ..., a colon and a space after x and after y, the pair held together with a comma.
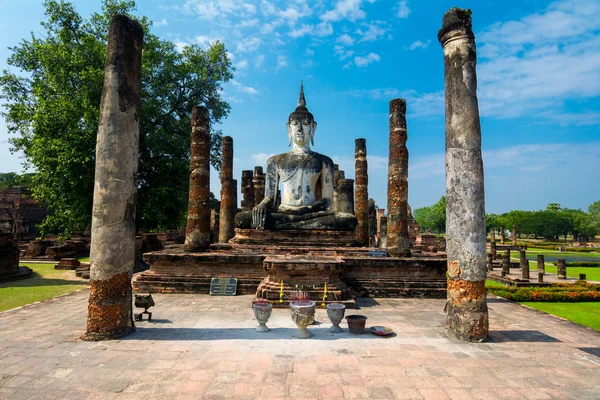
x: 301, y: 130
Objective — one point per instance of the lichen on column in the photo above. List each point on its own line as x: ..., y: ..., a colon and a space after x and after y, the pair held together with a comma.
x: 112, y: 248
x: 465, y: 208
x: 197, y: 231
x: 397, y: 241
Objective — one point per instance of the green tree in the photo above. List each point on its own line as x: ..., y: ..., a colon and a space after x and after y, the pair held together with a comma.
x: 53, y: 107
x: 432, y: 218
x: 12, y: 179
x: 594, y: 213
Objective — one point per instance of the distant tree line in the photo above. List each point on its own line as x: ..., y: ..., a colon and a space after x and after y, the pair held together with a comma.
x: 12, y: 179
x: 551, y: 223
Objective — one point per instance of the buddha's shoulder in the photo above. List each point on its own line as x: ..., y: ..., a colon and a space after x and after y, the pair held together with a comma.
x: 289, y: 157
x: 323, y: 158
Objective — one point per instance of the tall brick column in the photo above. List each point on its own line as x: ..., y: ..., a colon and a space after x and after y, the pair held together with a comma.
x: 259, y: 185
x: 226, y: 215
x: 514, y: 235
x: 502, y: 235
x: 112, y: 249
x: 465, y: 208
x: 361, y: 198
x: 247, y: 190
x: 197, y: 231
x: 398, y: 244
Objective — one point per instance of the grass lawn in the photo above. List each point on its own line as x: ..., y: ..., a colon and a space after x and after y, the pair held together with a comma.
x: 587, y: 314
x: 45, y: 283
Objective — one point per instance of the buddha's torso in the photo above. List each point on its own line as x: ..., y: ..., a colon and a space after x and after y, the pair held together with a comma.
x: 300, y: 174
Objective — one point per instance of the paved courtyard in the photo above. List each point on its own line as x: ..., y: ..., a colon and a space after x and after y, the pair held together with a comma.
x: 199, y: 346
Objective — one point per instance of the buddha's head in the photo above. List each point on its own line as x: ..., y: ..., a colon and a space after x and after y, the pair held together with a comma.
x: 301, y: 124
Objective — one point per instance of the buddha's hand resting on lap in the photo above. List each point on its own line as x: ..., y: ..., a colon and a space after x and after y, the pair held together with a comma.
x: 259, y: 214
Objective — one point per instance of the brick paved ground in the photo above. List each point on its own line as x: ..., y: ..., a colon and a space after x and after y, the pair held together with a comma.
x: 206, y: 347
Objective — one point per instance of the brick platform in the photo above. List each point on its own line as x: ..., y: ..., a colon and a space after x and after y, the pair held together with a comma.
x: 174, y: 271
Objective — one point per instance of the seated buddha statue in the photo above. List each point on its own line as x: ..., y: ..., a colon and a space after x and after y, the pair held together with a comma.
x: 307, y: 180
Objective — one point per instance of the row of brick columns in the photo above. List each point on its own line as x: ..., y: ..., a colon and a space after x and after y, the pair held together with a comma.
x: 113, y: 233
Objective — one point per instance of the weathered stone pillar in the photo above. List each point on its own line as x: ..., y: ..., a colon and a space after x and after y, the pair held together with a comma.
x: 492, y: 235
x: 259, y: 185
x: 490, y: 262
x: 514, y: 235
x: 540, y: 276
x: 383, y: 232
x: 502, y: 236
x: 561, y: 269
x: 525, y: 270
x: 235, y: 198
x: 361, y: 199
x: 372, y: 223
x: 197, y: 231
x: 540, y: 264
x: 112, y: 249
x: 398, y: 244
x: 247, y: 190
x: 380, y: 213
x: 345, y: 199
x: 493, y: 250
x: 522, y: 258
x: 337, y: 175
x: 465, y: 207
x: 228, y: 205
x: 506, y: 263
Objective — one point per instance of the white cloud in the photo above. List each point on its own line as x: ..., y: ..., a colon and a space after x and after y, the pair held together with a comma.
x: 403, y: 10
x: 162, y: 22
x: 281, y: 62
x: 258, y: 61
x: 293, y: 13
x: 535, y: 64
x: 248, y: 23
x: 301, y: 31
x: 309, y: 52
x: 364, y: 61
x: 345, y: 39
x: 417, y: 104
x: 219, y: 9
x: 261, y: 158
x: 180, y: 45
x: 242, y: 88
x: 248, y: 45
x: 419, y: 45
x: 322, y: 29
x: 345, y: 9
x: 347, y: 65
x: 204, y: 40
x: 341, y: 52
x: 374, y: 30
x: 243, y: 64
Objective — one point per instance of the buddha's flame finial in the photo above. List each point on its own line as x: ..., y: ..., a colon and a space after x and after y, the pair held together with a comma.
x: 301, y: 99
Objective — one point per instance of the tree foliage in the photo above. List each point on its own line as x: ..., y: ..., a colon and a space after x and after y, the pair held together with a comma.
x: 433, y: 218
x: 52, y: 105
x: 12, y: 179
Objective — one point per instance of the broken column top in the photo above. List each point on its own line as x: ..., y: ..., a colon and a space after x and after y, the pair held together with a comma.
x: 456, y: 19
x: 199, y: 116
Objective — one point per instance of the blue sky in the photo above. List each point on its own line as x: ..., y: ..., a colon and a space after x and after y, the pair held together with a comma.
x: 538, y: 85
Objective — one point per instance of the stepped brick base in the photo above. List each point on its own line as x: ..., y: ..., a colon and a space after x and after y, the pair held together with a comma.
x: 350, y: 272
x: 319, y: 238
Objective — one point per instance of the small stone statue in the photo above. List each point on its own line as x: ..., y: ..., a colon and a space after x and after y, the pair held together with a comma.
x: 307, y: 178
